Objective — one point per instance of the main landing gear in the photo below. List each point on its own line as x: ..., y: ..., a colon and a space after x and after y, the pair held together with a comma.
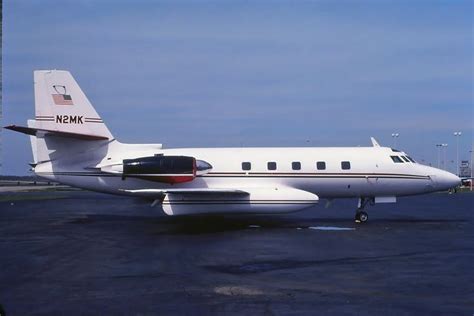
x: 361, y: 216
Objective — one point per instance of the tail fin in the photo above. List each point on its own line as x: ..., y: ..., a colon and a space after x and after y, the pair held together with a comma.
x: 33, y: 142
x: 66, y: 124
x: 61, y: 106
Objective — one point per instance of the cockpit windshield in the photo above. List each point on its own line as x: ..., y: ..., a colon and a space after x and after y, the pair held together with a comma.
x: 402, y: 159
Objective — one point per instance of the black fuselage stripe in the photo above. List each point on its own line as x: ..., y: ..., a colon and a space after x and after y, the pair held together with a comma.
x: 314, y: 176
x: 324, y: 176
x: 308, y: 173
x: 239, y: 203
x: 238, y: 200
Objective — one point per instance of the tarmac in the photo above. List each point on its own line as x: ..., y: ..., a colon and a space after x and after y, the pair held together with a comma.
x: 82, y: 253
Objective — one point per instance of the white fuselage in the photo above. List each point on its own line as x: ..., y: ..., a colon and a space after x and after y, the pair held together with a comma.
x: 71, y: 144
x: 372, y: 171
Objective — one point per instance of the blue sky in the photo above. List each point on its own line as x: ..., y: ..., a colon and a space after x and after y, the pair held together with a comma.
x: 240, y: 73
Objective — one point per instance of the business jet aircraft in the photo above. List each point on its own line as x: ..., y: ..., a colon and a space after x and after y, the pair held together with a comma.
x: 72, y: 145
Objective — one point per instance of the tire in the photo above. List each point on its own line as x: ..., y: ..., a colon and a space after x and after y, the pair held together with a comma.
x: 362, y: 217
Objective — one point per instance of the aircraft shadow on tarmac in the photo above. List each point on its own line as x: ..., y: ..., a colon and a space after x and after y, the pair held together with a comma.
x: 202, y: 224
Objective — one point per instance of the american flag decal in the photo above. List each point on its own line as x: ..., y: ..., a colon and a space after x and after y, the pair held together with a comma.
x: 61, y: 98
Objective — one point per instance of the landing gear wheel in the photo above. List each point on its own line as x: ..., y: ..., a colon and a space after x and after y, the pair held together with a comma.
x: 361, y: 217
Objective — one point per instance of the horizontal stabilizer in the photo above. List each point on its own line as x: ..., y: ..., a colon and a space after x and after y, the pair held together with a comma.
x: 33, y: 131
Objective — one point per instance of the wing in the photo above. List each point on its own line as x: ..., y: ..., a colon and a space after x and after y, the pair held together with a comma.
x: 157, y: 193
x: 221, y: 201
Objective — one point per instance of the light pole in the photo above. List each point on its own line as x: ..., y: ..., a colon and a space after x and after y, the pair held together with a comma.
x: 438, y: 146
x: 444, y: 155
x: 395, y: 136
x: 457, y: 135
x: 470, y: 165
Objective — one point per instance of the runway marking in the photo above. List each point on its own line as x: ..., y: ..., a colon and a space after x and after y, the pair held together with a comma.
x: 330, y: 228
x: 236, y: 290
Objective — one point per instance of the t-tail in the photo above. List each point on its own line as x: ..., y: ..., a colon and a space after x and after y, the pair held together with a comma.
x: 65, y: 121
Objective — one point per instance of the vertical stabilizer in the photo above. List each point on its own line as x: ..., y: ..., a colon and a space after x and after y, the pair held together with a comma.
x: 31, y: 123
x: 60, y: 105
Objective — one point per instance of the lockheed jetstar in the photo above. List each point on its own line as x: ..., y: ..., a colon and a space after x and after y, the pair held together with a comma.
x: 72, y: 145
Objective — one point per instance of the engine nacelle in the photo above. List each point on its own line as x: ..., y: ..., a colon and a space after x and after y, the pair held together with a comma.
x: 167, y: 169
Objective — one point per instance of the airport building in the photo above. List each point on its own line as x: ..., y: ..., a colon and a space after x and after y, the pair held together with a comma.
x: 465, y: 169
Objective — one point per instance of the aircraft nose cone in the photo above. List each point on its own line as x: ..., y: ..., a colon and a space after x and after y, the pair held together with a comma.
x: 447, y: 180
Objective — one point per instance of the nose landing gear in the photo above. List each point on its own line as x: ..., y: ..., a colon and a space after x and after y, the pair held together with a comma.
x: 361, y: 216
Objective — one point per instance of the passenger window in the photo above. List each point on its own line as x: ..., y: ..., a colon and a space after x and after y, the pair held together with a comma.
x: 396, y: 159
x: 405, y: 158
x: 246, y: 166
x: 321, y: 165
x: 271, y: 165
x: 345, y: 165
x: 296, y: 165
